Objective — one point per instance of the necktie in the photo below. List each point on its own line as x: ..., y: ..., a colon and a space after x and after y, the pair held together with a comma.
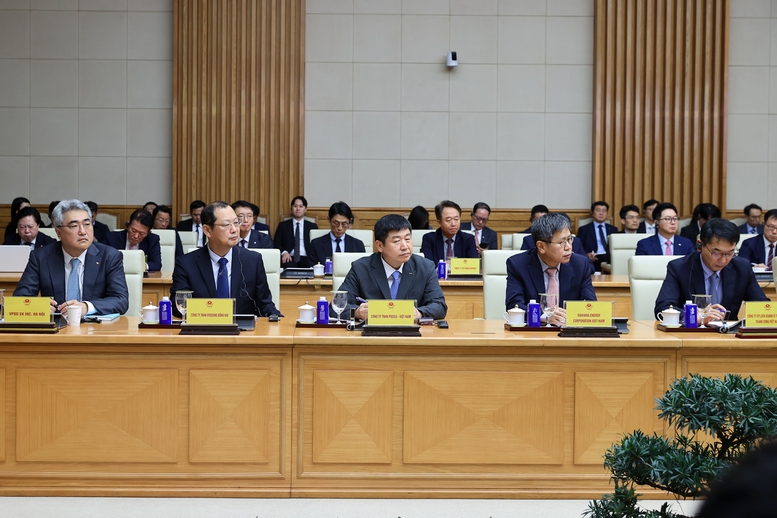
x: 243, y: 243
x: 603, y: 238
x: 552, y: 282
x: 668, y: 250
x: 449, y: 253
x: 753, y: 231
x: 395, y: 285
x: 771, y: 256
x: 197, y: 229
x: 73, y: 288
x: 713, y: 288
x: 477, y: 237
x: 337, y: 243
x: 222, y: 286
x: 296, y: 242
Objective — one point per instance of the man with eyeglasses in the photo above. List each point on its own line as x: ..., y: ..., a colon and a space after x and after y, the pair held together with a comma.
x: 759, y: 250
x: 138, y: 236
x: 223, y: 270
x: 28, y: 223
x: 713, y: 270
x: 629, y: 219
x: 753, y: 223
x: 485, y: 238
x: 77, y: 270
x: 163, y: 217
x: 336, y: 241
x: 448, y: 241
x: 665, y: 241
x: 249, y: 236
x: 551, y: 267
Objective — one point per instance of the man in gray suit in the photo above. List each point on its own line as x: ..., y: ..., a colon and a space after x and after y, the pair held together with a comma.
x: 394, y: 272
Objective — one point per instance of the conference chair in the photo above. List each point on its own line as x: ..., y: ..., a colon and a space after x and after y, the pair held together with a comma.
x: 646, y: 275
x: 134, y: 267
x: 738, y: 221
x: 51, y: 232
x: 271, y: 257
x: 188, y: 239
x: 418, y: 238
x: 622, y: 246
x: 341, y: 265
x: 166, y: 248
x: 743, y: 238
x: 518, y: 240
x: 311, y: 219
x: 507, y: 241
x: 108, y: 219
x: 683, y: 223
x: 495, y: 282
x: 366, y: 236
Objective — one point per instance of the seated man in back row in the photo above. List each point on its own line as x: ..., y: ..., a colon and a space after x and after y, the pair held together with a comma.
x: 138, y: 236
x: 394, y: 272
x: 665, y: 241
x: 448, y: 241
x: 336, y: 241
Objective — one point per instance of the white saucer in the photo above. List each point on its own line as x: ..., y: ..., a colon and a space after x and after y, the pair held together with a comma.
x: 152, y: 323
x: 760, y: 270
x: 672, y: 326
x: 516, y: 325
x: 306, y: 321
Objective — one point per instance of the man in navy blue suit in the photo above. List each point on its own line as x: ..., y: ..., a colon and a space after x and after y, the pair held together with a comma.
x: 665, y: 239
x: 448, y: 240
x: 101, y: 230
x: 714, y: 270
x: 258, y: 225
x: 249, y: 236
x: 138, y: 236
x: 648, y: 225
x: 28, y: 224
x: 594, y: 235
x: 336, y: 241
x: 577, y: 247
x: 76, y: 270
x: 292, y: 236
x: 550, y: 263
x: 194, y: 224
x: 163, y: 216
x: 753, y: 224
x: 761, y: 248
x: 221, y: 269
x: 485, y: 238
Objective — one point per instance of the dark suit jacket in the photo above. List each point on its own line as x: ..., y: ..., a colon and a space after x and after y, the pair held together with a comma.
x: 743, y: 228
x: 754, y: 251
x: 686, y: 276
x: 258, y: 239
x: 194, y: 271
x: 284, y: 239
x: 587, y: 236
x: 149, y: 245
x: 101, y: 232
x: 188, y: 226
x: 690, y: 231
x: 367, y: 279
x: 577, y: 248
x: 486, y: 235
x: 642, y: 228
x: 652, y: 246
x: 525, y: 280
x: 321, y: 247
x: 40, y: 241
x: 463, y: 246
x: 104, y: 284
x: 262, y: 226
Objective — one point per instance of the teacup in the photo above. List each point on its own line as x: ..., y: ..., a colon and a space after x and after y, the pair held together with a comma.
x: 670, y: 317
x: 516, y: 317
x: 149, y: 314
x: 318, y: 270
x: 307, y: 313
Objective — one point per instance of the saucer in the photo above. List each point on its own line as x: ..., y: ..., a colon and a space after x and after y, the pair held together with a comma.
x: 672, y: 326
x: 522, y: 324
x: 150, y: 322
x: 305, y: 321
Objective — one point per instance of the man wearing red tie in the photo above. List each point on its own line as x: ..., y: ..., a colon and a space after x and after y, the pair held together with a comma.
x: 759, y: 250
x: 485, y: 238
x: 665, y: 241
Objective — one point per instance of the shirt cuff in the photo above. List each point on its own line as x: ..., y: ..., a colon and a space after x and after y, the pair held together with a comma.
x: 90, y: 308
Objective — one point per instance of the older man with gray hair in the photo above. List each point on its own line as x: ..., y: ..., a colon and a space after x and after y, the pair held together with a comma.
x: 551, y: 267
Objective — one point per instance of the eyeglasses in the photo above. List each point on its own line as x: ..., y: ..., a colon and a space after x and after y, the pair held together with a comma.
x: 86, y: 225
x: 245, y: 217
x: 339, y: 224
x: 670, y: 220
x: 631, y: 218
x: 227, y: 226
x: 770, y: 227
x: 563, y: 242
x: 478, y: 218
x: 716, y: 254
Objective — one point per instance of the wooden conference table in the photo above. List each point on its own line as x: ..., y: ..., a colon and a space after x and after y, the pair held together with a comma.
x: 471, y: 411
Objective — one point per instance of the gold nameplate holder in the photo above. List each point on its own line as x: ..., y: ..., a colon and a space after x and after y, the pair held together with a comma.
x: 465, y: 266
x: 391, y: 318
x: 589, y: 318
x: 210, y: 316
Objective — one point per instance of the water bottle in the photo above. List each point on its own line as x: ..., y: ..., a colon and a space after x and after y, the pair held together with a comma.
x: 691, y: 315
x: 165, y: 311
x: 442, y: 270
x: 328, y: 266
x: 534, y: 314
x: 322, y: 311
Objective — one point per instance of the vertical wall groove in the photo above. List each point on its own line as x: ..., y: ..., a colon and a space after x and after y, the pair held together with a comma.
x: 237, y: 102
x: 660, y: 94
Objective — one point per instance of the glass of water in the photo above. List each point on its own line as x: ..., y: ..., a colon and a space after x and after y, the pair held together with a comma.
x: 181, y: 297
x: 339, y: 302
x: 548, y: 303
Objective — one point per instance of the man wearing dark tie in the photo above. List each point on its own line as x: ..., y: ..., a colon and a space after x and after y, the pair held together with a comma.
x: 701, y: 214
x: 448, y: 241
x: 665, y: 241
x: 594, y: 235
x: 249, y: 236
x: 28, y: 223
x: 629, y: 219
x: 101, y: 230
x: 648, y: 224
x: 394, y: 272
x: 138, y: 236
x: 292, y: 236
x: 194, y: 224
x: 336, y: 241
x: 485, y: 238
x: 753, y: 224
x: 759, y: 250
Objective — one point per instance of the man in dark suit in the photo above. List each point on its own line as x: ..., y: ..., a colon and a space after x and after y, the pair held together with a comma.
x: 221, y: 269
x: 536, y: 212
x: 258, y: 225
x: 394, y: 272
x: 249, y: 236
x: 753, y: 224
x: 714, y: 270
x: 163, y: 216
x: 28, y: 224
x: 701, y: 214
x: 101, y: 230
x: 292, y: 237
x: 629, y: 219
x: 138, y: 236
x: 665, y: 241
x: 76, y: 270
x: 336, y: 241
x: 648, y: 224
x: 194, y: 224
x: 760, y: 250
x: 577, y: 247
x: 551, y: 267
x: 485, y: 238
x: 594, y: 235
x: 448, y: 240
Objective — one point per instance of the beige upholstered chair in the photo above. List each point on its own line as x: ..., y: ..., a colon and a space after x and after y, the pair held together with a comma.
x: 418, y: 237
x: 738, y: 221
x: 134, y: 267
x: 646, y: 274
x: 507, y: 241
x: 495, y: 281
x: 167, y: 247
x: 108, y: 219
x: 518, y: 240
x: 743, y: 238
x: 683, y: 223
x: 188, y: 239
x: 365, y: 236
x: 341, y: 265
x: 271, y: 257
x: 49, y: 232
x: 622, y: 246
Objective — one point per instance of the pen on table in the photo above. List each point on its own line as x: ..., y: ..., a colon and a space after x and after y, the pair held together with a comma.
x: 360, y: 300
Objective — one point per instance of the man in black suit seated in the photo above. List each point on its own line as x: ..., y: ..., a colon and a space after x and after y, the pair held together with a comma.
x: 594, y: 235
x: 485, y: 238
x: 761, y: 249
x: 701, y: 214
x: 101, y: 230
x: 76, y: 270
x: 629, y: 219
x: 28, y: 223
x: 536, y: 212
x: 249, y: 236
x: 222, y: 270
x: 138, y: 236
x: 648, y: 224
x: 394, y: 272
x: 163, y: 216
x: 258, y: 225
x: 194, y: 224
x: 336, y: 241
x: 292, y: 237
x: 714, y: 270
x: 448, y: 240
x: 551, y: 267
x: 52, y: 206
x: 753, y: 224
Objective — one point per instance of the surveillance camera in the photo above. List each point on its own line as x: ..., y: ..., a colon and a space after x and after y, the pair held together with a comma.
x: 453, y: 60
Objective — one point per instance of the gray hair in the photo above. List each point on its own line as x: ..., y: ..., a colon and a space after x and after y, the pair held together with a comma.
x: 58, y: 215
x: 544, y: 228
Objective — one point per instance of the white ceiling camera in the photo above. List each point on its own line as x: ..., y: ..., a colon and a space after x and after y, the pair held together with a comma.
x: 453, y: 60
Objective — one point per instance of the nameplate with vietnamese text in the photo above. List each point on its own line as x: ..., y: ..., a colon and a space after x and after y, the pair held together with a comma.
x: 210, y: 311
x: 391, y: 312
x: 760, y: 314
x: 27, y: 309
x: 589, y: 313
x: 465, y: 266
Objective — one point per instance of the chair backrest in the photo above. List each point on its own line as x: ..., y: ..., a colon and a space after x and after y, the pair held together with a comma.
x: 167, y: 247
x: 261, y: 219
x: 51, y: 232
x: 518, y: 240
x: 507, y: 241
x: 683, y: 223
x: 364, y: 235
x: 108, y: 219
x: 341, y: 265
x: 418, y: 237
x: 622, y: 246
x: 738, y: 221
x: 583, y: 221
x: 188, y: 239
x: 646, y: 275
x: 495, y: 281
x: 271, y: 257
x: 743, y: 238
x: 134, y: 267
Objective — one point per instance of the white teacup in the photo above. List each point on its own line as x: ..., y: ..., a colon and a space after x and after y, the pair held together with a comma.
x: 149, y: 314
x: 670, y: 317
x: 307, y: 313
x: 74, y: 315
x: 318, y: 270
x: 516, y: 317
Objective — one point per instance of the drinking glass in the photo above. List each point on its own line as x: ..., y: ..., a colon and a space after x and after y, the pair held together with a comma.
x: 180, y: 301
x: 704, y: 305
x: 548, y: 303
x: 339, y: 302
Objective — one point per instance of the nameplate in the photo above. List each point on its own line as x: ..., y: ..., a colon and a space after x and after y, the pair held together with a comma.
x: 27, y: 309
x: 465, y: 266
x: 210, y: 311
x: 589, y: 313
x: 391, y: 312
x: 760, y: 314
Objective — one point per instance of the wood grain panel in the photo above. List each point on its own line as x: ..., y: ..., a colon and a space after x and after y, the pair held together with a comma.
x: 97, y: 415
x: 660, y: 101
x: 2, y: 414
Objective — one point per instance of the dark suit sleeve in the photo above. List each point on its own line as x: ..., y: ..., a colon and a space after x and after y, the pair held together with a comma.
x: 262, y: 294
x: 154, y: 253
x: 671, y: 293
x: 313, y: 252
x: 427, y: 246
x: 525, y: 243
x: 178, y: 246
x: 352, y: 285
x: 587, y: 291
x: 492, y: 241
x: 470, y: 247
x: 29, y: 284
x: 642, y: 247
x: 747, y: 250
x: 115, y: 298
x: 358, y: 245
x: 432, y: 303
x: 264, y: 241
x: 516, y: 289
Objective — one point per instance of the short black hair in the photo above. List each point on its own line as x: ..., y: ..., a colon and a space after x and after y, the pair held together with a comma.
x: 143, y: 217
x: 661, y: 207
x: 481, y: 205
x: 29, y: 211
x: 149, y: 203
x: 598, y: 203
x: 241, y: 203
x: 720, y: 229
x: 536, y: 209
x: 445, y: 204
x: 254, y: 209
x: 771, y: 213
x: 208, y: 216
x: 389, y: 223
x: 300, y: 198
x: 196, y: 204
x: 648, y: 203
x: 342, y: 209
x: 628, y: 208
x: 52, y: 205
x: 419, y: 218
x: 16, y: 204
x: 706, y: 211
x: 162, y: 208
x: 751, y: 207
x: 92, y: 206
